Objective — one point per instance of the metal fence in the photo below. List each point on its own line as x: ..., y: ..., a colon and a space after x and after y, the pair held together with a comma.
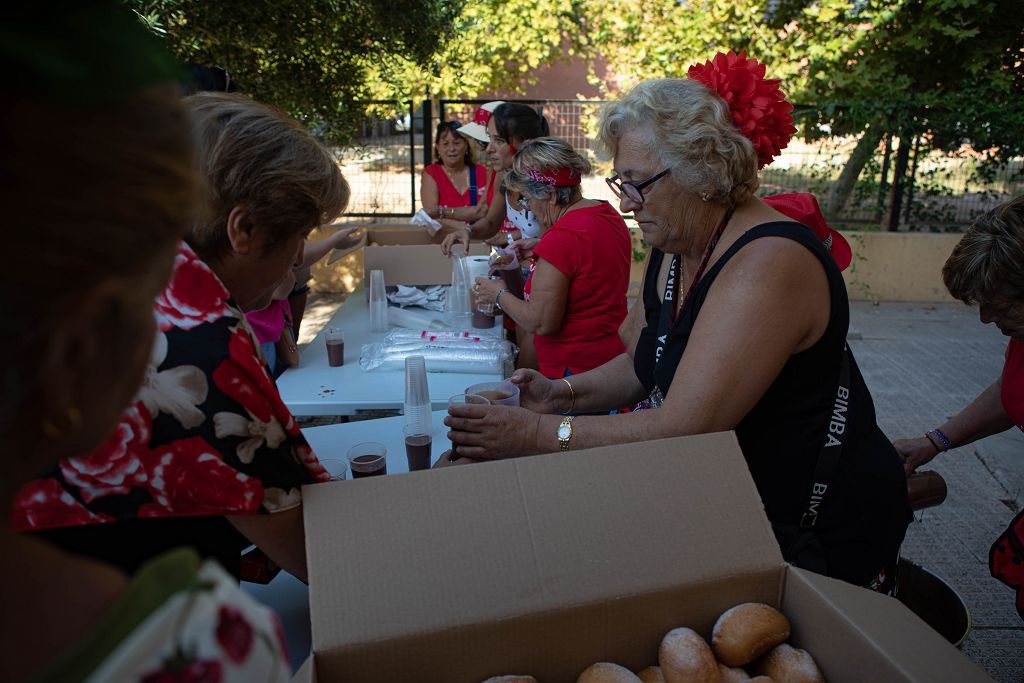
x: 939, y: 192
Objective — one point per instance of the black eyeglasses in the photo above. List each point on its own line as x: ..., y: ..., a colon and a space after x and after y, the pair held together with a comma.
x: 633, y: 191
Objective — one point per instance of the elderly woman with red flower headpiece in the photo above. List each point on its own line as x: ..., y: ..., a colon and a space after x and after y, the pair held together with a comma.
x: 742, y: 327
x: 575, y: 298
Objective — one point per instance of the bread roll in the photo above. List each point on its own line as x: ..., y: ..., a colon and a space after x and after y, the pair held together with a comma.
x: 686, y: 658
x: 747, y: 631
x: 787, y: 664
x: 513, y: 678
x: 605, y: 672
x: 728, y: 674
x: 651, y: 674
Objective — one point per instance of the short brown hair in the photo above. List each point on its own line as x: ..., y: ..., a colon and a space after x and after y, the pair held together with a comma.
x: 987, y: 265
x: 253, y: 155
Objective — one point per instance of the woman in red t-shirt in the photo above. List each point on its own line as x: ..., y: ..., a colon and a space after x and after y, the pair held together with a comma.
x: 453, y: 180
x: 575, y: 298
x: 984, y: 269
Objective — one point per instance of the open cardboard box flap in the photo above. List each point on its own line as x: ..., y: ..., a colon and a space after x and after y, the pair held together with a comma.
x: 409, y: 256
x: 547, y: 564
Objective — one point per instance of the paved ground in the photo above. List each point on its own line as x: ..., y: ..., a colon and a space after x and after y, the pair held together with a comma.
x: 922, y: 364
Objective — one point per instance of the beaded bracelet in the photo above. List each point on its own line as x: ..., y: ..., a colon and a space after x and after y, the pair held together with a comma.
x: 572, y: 394
x: 942, y: 437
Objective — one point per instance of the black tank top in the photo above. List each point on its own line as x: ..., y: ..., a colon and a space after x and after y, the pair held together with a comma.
x: 865, y: 514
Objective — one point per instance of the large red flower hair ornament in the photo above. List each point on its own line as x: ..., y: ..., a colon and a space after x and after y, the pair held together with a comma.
x: 759, y: 109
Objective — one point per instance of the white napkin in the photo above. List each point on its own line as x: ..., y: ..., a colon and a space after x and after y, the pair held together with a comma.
x: 421, y: 218
x: 432, y: 297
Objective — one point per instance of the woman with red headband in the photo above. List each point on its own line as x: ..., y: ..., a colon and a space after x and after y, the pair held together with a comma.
x: 575, y: 298
x: 744, y: 321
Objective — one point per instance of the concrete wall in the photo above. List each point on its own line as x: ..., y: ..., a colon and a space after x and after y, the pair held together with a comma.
x: 898, y: 266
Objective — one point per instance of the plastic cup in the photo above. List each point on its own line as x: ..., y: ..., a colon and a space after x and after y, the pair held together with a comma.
x: 378, y: 302
x: 335, y: 346
x: 418, y: 445
x: 503, y: 393
x: 368, y: 459
x: 338, y: 469
x: 461, y: 399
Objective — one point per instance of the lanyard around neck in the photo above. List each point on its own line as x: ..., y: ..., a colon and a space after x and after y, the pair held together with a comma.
x: 667, y: 318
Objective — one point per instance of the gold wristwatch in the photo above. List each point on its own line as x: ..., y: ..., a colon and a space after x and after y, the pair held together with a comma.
x: 565, y: 433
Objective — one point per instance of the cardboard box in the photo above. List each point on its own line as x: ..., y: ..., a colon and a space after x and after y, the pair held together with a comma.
x: 545, y: 565
x: 409, y: 256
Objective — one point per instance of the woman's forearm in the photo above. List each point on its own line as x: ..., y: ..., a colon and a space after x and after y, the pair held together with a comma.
x: 592, y: 431
x: 611, y: 386
x: 983, y: 417
x: 526, y: 314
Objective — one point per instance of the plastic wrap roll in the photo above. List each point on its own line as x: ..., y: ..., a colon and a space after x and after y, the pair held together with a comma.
x: 495, y: 357
x: 440, y: 337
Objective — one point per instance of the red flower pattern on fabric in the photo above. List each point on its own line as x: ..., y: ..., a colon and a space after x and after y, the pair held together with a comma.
x: 189, y: 477
x: 305, y: 455
x: 196, y: 671
x: 234, y: 634
x: 116, y: 466
x: 243, y: 377
x: 759, y: 109
x: 195, y: 295
x: 44, y: 504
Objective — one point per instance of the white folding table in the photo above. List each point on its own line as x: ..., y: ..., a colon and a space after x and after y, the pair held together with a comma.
x: 314, y: 388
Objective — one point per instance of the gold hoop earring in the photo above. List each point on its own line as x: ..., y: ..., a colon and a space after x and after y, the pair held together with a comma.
x: 73, y: 417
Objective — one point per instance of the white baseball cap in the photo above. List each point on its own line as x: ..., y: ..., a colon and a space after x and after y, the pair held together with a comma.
x: 477, y: 128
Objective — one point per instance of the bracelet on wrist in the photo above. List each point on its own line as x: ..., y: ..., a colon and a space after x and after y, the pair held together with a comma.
x: 498, y: 296
x: 572, y: 394
x: 933, y: 443
x: 943, y: 439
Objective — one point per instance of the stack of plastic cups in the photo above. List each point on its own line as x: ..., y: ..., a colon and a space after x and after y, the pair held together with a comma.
x: 378, y: 302
x: 417, y: 395
x: 459, y: 301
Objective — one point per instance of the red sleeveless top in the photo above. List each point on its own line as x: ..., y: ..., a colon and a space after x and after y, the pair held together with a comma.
x: 447, y: 195
x: 1012, y: 393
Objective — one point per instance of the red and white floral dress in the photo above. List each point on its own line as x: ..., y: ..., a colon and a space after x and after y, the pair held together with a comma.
x: 208, y: 434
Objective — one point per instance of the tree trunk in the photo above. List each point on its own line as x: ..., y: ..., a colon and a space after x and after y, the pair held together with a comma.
x: 843, y: 187
x: 895, y: 203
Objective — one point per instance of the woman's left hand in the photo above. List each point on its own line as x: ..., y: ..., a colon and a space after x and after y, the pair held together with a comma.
x: 915, y: 452
x: 487, y: 289
x: 344, y: 239
x: 492, y: 432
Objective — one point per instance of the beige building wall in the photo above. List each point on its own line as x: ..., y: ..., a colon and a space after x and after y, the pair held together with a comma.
x: 897, y: 266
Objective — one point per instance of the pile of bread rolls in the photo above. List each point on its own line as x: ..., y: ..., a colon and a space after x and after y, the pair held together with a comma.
x: 748, y: 643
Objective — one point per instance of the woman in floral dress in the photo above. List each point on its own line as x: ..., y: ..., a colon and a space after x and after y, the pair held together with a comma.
x: 208, y: 456
x: 93, y: 215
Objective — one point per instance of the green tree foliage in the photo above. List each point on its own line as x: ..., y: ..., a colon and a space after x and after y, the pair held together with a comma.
x: 309, y: 58
x: 948, y: 71
x: 494, y: 44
